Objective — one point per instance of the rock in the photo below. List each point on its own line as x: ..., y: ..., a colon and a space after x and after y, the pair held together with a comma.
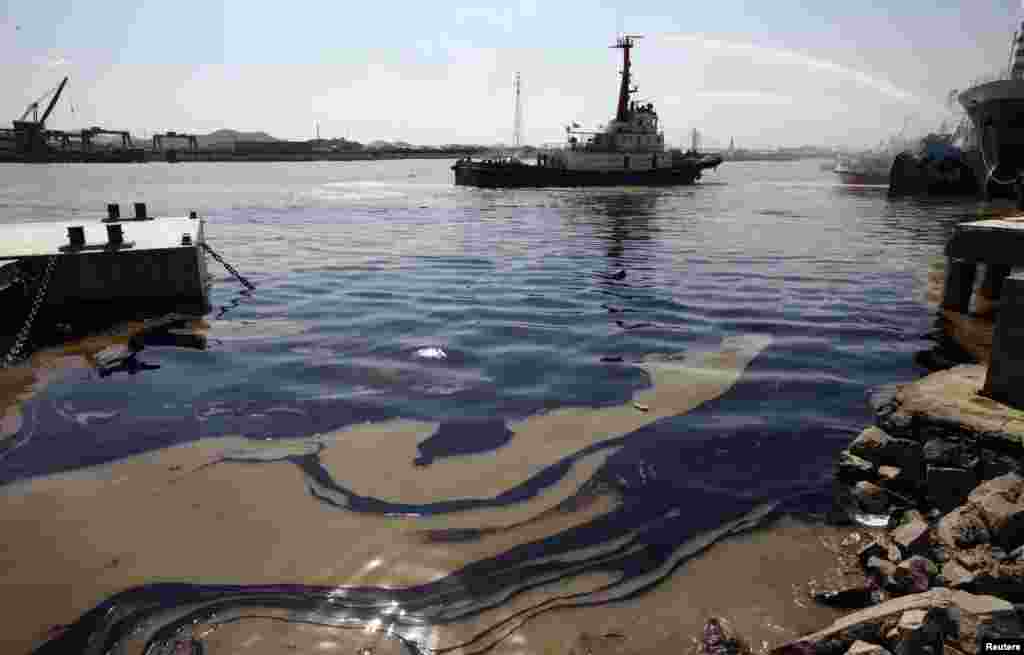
x: 879, y: 448
x: 912, y: 536
x: 956, y: 576
x: 923, y: 632
x: 866, y: 648
x: 911, y: 620
x: 935, y: 359
x: 974, y: 558
x: 1009, y: 486
x: 831, y: 647
x: 847, y: 599
x: 719, y: 638
x: 915, y: 574
x: 881, y: 549
x: 1005, y: 579
x: 948, y: 487
x: 958, y: 615
x: 947, y: 405
x: 114, y: 356
x: 993, y: 464
x: 1005, y: 520
x: 880, y: 567
x: 943, y: 452
x: 882, y: 400
x: 871, y: 498
x: 962, y: 528
x: 889, y: 473
x: 853, y: 469
x: 873, y: 549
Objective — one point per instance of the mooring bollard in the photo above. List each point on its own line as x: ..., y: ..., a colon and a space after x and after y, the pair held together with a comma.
x: 1004, y: 380
x: 140, y: 211
x: 113, y: 212
x: 76, y: 236
x: 115, y: 235
x: 960, y: 275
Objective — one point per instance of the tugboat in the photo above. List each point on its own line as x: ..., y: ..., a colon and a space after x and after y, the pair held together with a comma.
x: 628, y: 151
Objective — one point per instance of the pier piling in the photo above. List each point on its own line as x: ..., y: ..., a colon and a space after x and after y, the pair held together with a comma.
x: 960, y: 274
x: 1005, y: 378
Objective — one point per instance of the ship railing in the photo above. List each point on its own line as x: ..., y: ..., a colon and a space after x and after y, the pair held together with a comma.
x: 990, y: 77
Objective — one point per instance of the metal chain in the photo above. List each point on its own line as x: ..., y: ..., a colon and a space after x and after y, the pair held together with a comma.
x: 19, y: 342
x: 231, y: 269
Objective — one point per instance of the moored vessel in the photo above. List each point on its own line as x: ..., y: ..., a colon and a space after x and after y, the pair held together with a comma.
x: 630, y: 150
x: 867, y: 168
x: 995, y: 109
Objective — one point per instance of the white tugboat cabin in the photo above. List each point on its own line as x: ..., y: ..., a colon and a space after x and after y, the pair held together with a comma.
x: 630, y: 142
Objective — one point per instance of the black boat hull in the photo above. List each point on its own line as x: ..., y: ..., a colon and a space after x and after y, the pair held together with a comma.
x: 503, y: 175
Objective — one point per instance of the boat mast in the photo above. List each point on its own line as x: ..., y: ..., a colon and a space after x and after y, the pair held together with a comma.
x: 624, y: 43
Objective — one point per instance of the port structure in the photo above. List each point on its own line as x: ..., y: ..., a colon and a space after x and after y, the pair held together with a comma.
x: 30, y: 140
x: 191, y: 140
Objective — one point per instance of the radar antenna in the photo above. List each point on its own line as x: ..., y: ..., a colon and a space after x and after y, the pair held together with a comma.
x: 625, y: 43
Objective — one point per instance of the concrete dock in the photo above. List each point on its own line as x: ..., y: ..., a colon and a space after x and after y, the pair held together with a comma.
x: 998, y: 245
x: 140, y: 260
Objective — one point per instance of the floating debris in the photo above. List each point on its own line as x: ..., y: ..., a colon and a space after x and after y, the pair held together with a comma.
x: 431, y: 352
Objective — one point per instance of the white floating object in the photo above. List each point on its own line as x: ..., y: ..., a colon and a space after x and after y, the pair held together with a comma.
x: 431, y: 353
x: 871, y: 520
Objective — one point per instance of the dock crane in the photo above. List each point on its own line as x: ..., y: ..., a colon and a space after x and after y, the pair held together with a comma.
x: 28, y: 134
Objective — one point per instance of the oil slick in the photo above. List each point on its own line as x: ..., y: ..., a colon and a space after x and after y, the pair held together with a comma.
x: 566, y: 508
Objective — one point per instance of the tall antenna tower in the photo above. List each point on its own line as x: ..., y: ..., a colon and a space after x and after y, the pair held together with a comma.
x: 517, y: 128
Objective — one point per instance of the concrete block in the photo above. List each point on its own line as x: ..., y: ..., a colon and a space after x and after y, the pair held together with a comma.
x: 960, y: 274
x: 1005, y: 378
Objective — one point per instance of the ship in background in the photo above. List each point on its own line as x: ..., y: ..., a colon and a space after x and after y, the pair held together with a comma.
x: 985, y: 153
x: 630, y: 150
x: 996, y: 111
x: 864, y: 168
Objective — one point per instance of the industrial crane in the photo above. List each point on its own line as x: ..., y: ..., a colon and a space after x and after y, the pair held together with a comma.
x: 34, y: 107
x: 29, y: 135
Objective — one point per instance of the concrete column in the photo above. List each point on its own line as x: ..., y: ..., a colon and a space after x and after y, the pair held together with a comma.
x: 1005, y: 378
x: 960, y: 275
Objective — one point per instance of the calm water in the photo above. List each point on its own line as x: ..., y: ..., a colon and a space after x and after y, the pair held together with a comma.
x: 367, y: 273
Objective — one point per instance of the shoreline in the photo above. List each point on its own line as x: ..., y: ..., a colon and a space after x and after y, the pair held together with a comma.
x: 940, y: 476
x: 148, y: 157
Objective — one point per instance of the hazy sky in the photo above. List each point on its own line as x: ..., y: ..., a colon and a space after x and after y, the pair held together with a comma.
x: 774, y: 72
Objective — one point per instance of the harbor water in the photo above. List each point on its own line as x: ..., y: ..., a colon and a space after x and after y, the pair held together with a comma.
x: 450, y: 419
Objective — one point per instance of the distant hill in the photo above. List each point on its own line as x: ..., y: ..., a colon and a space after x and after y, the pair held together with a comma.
x: 390, y: 145
x: 224, y: 137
